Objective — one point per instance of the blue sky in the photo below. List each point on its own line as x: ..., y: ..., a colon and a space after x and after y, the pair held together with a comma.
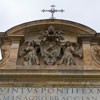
x: 14, y: 12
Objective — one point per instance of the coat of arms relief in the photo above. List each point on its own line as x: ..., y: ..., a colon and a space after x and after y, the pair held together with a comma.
x: 51, y: 50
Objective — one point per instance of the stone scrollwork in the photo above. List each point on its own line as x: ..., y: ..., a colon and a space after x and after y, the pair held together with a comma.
x: 96, y: 53
x: 51, y: 50
x: 5, y: 54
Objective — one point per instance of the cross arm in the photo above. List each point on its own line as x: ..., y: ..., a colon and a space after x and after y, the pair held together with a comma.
x: 46, y: 10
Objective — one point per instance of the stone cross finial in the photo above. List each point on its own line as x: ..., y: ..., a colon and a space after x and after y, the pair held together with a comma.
x: 52, y: 10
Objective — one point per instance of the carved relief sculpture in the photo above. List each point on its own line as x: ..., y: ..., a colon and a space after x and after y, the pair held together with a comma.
x: 50, y: 45
x: 70, y: 51
x: 67, y: 57
x: 51, y: 50
x: 96, y: 53
x: 29, y: 54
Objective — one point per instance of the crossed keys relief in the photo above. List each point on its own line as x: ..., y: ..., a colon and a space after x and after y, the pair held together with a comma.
x: 51, y: 50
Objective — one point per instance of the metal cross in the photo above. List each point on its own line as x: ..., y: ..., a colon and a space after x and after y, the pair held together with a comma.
x: 52, y: 10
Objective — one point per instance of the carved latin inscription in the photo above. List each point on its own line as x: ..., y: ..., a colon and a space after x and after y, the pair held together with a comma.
x: 29, y: 93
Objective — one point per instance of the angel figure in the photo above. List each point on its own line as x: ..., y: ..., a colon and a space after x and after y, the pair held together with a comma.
x: 30, y: 56
x: 67, y: 57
